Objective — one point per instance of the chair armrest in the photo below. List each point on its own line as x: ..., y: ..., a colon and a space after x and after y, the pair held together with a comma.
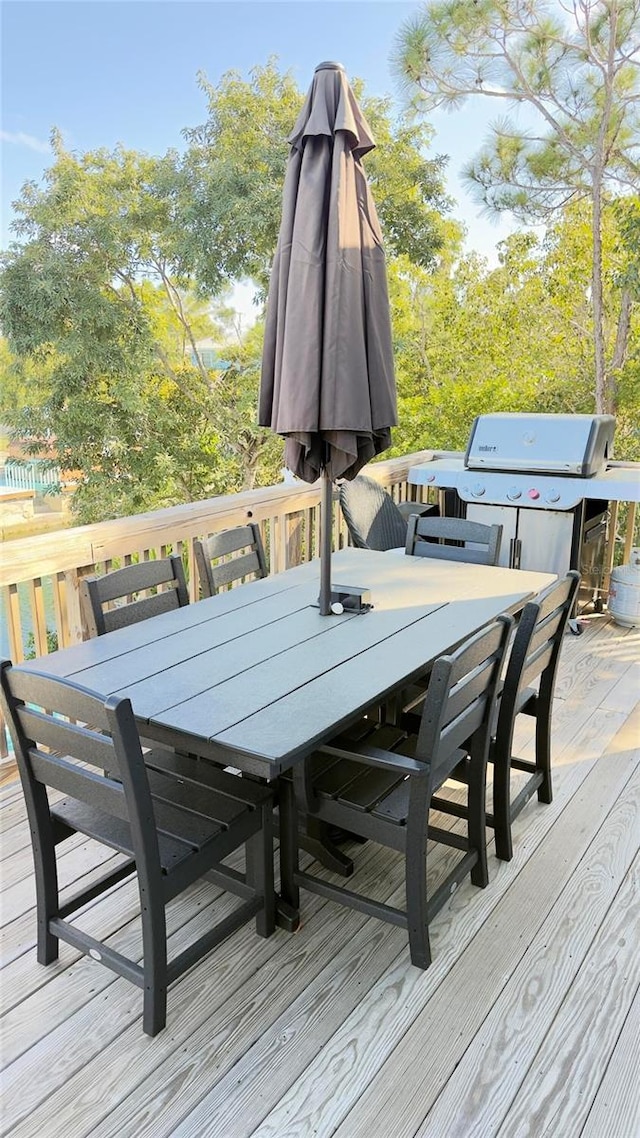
x: 375, y: 757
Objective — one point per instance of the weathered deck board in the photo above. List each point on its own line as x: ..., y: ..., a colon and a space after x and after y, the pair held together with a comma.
x: 54, y: 1004
x: 221, y: 1011
x: 616, y: 1108
x: 528, y: 1013
x: 491, y: 1074
x: 199, y: 1001
x: 412, y: 1012
x: 569, y: 1067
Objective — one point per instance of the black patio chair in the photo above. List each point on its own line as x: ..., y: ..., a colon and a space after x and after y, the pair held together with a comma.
x: 533, y: 660
x: 173, y: 818
x: 444, y: 539
x: 373, y: 519
x: 163, y: 582
x: 215, y: 574
x: 453, y: 539
x: 378, y: 782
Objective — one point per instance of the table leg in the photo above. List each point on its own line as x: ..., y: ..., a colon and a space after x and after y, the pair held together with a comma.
x: 316, y: 840
x: 288, y: 905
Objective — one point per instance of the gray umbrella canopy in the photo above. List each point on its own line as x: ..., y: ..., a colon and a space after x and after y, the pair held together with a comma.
x: 327, y: 369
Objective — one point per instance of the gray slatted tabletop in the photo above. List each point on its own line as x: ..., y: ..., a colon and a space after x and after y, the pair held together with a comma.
x: 256, y: 677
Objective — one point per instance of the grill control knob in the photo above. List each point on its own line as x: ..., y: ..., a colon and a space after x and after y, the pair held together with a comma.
x: 553, y: 495
x: 477, y: 490
x: 513, y: 493
x: 533, y: 494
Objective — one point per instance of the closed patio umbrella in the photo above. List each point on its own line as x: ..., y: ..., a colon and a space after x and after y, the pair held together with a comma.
x: 327, y: 379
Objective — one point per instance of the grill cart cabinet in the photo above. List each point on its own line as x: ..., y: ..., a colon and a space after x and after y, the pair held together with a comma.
x: 548, y: 480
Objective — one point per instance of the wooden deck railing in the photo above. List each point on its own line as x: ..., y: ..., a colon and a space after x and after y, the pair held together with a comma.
x: 39, y: 576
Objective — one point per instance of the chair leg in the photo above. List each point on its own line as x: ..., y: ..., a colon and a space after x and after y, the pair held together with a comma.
x: 477, y: 819
x: 502, y: 803
x: 48, y: 944
x: 154, y: 948
x: 543, y: 753
x: 47, y: 896
x: 416, y: 890
x: 259, y: 855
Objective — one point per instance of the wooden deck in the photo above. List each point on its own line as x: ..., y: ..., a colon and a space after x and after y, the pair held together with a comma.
x: 527, y: 1023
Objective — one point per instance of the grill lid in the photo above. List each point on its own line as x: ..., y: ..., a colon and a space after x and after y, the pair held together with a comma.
x: 557, y: 444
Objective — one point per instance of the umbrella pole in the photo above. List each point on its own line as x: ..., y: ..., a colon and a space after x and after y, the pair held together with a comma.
x: 326, y: 522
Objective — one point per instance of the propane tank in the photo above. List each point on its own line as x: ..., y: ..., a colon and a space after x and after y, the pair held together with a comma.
x: 624, y: 592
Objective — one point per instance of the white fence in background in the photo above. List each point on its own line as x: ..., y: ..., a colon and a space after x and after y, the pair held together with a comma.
x: 29, y: 475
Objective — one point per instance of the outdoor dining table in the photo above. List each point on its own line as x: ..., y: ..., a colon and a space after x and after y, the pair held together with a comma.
x: 256, y: 678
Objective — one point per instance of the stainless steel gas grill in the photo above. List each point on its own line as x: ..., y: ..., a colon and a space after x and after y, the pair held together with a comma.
x: 548, y: 480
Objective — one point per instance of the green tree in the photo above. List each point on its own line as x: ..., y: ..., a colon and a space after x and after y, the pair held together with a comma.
x: 249, y: 455
x: 576, y: 68
x: 470, y: 344
x: 99, y: 318
x: 122, y: 269
x: 228, y: 196
x: 516, y: 337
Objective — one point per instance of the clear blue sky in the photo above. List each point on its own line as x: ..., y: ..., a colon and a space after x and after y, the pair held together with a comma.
x: 107, y: 71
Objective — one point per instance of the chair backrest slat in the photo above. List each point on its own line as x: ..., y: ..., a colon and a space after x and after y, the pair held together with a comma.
x: 536, y: 647
x: 97, y: 790
x: 44, y: 691
x: 548, y: 615
x: 555, y: 596
x: 461, y: 693
x: 544, y: 631
x: 215, y: 574
x: 165, y: 574
x: 134, y: 578
x: 433, y: 537
x: 136, y: 611
x: 450, y: 529
x: 234, y: 570
x: 68, y: 738
x: 449, y: 553
x: 536, y: 665
x: 46, y: 723
x: 462, y: 726
x: 230, y: 540
x: 477, y: 651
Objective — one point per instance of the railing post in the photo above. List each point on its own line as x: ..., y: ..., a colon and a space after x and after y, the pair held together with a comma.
x: 60, y: 609
x: 277, y: 544
x: 38, y: 616
x: 283, y: 541
x: 14, y: 623
x: 74, y: 614
x: 193, y: 583
x: 294, y: 539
